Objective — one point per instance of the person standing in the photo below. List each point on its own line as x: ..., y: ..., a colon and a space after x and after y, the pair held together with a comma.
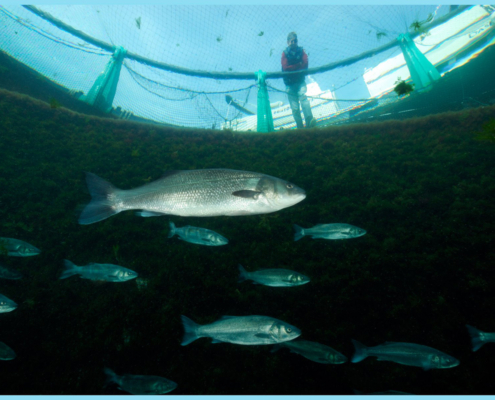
x: 294, y: 58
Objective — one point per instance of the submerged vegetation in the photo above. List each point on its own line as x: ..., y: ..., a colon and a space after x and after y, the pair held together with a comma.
x: 488, y: 131
x: 423, y: 189
x: 418, y: 26
x: 402, y: 87
x: 380, y: 35
x: 54, y: 103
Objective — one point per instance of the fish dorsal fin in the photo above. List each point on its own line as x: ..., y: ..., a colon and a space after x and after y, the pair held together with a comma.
x: 247, y: 194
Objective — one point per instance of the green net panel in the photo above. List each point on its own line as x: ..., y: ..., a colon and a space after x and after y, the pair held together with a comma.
x: 196, y: 66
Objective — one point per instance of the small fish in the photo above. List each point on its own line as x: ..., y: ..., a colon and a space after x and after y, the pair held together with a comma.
x: 479, y: 338
x: 313, y: 351
x: 273, y: 277
x: 193, y: 193
x: 249, y: 330
x: 140, y: 384
x: 7, y: 273
x: 98, y: 272
x: 415, y: 355
x: 7, y: 305
x: 195, y: 235
x: 138, y: 22
x: 17, y: 248
x: 6, y: 353
x: 329, y: 231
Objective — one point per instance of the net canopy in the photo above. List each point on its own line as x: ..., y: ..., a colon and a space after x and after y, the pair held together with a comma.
x: 196, y: 66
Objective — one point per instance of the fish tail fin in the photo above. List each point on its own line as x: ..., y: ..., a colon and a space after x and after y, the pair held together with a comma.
x: 242, y: 274
x: 102, y: 204
x: 111, y: 376
x: 360, y: 353
x: 476, y: 339
x: 70, y: 269
x: 299, y: 232
x: 172, y: 229
x: 190, y: 327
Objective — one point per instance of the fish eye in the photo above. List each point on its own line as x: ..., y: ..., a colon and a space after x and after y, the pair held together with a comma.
x: 289, y: 186
x: 2, y: 303
x: 289, y: 330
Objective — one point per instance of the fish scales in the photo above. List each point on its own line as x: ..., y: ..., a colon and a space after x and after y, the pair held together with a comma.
x: 248, y: 325
x: 407, y: 354
x: 199, y: 192
x: 278, y: 277
x: 404, y: 349
x: 247, y: 330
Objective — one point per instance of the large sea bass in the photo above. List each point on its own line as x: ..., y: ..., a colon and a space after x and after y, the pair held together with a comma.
x: 194, y: 193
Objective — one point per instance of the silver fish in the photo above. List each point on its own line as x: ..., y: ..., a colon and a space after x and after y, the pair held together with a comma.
x: 140, y: 384
x: 6, y: 353
x: 313, y: 351
x: 7, y: 273
x: 98, y: 272
x: 412, y: 354
x: 199, y: 193
x: 329, y: 231
x: 195, y: 235
x: 6, y: 305
x: 273, y: 277
x: 249, y: 330
x: 479, y: 338
x: 17, y: 248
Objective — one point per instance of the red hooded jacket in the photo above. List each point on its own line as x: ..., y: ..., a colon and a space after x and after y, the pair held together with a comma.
x: 294, y: 61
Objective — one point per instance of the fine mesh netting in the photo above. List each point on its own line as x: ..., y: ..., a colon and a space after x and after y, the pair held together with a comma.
x: 194, y: 66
